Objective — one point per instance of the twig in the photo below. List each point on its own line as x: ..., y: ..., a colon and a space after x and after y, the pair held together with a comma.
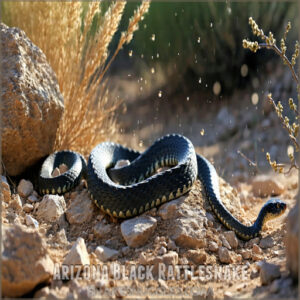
x: 283, y: 56
x: 292, y: 137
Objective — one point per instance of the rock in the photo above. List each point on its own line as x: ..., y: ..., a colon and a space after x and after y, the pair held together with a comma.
x: 189, y: 233
x: 78, y: 255
x: 25, y: 261
x: 137, y: 231
x: 31, y: 221
x: 210, y: 294
x: 224, y: 255
x: 200, y: 295
x: 169, y: 210
x: 62, y: 237
x: 105, y: 254
x: 274, y: 287
x: 28, y: 207
x: 170, y: 258
x: 256, y: 249
x: 51, y: 208
x: 25, y: 188
x: 264, y: 186
x: 256, y: 256
x: 16, y: 202
x: 292, y: 242
x: 268, y: 272
x: 32, y: 105
x: 246, y: 254
x: 162, y: 283
x: 120, y: 292
x: 101, y: 229
x: 125, y: 250
x: 228, y: 296
x: 162, y: 251
x: 5, y: 189
x: 32, y: 199
x: 80, y: 209
x: 232, y: 239
x: 198, y: 257
x: 213, y: 246
x: 225, y: 242
x: 101, y: 283
x: 266, y: 242
x: 60, y: 170
x: 171, y: 245
x: 251, y: 242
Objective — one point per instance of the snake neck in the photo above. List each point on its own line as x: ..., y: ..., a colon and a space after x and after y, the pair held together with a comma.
x: 262, y: 218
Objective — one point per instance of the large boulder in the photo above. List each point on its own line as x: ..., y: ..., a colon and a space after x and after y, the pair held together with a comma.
x: 292, y: 241
x: 32, y: 104
x: 25, y: 261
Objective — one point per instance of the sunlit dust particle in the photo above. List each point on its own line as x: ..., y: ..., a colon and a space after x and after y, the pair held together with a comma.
x: 187, y: 98
x: 199, y: 39
x: 202, y: 132
x: 254, y: 98
x: 130, y: 53
x: 153, y: 37
x: 200, y: 80
x: 159, y: 94
x: 244, y: 70
x: 152, y: 70
x: 217, y: 88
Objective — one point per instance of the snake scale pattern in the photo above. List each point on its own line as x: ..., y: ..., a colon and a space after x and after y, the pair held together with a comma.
x: 131, y: 190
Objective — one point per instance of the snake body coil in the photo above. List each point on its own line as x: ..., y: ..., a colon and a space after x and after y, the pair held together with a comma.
x: 136, y: 188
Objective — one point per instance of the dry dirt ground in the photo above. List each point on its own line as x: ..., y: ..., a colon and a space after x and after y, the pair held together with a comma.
x: 218, y: 130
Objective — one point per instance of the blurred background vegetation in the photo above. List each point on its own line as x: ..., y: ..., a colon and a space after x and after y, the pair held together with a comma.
x: 195, y: 44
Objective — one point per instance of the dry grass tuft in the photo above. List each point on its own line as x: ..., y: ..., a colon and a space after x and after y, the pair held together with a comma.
x: 77, y: 56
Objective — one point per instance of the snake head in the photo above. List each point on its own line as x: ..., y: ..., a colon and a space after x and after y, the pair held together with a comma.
x: 275, y: 207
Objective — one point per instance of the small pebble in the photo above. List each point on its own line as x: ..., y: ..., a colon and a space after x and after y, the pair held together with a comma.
x: 274, y: 287
x: 16, y: 202
x: 25, y: 188
x: 32, y: 198
x: 162, y: 251
x: 210, y: 294
x: 266, y: 242
x: 171, y: 245
x: 225, y: 242
x: 256, y: 249
x: 163, y: 283
x: 213, y: 246
x: 269, y: 272
x: 28, y: 207
x: 31, y: 221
